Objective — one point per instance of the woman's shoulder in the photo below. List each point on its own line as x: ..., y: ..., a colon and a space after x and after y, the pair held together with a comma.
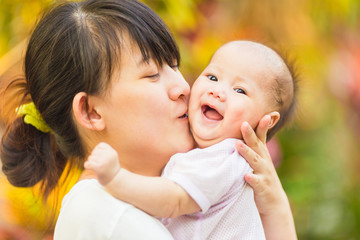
x: 89, y: 212
x: 90, y: 194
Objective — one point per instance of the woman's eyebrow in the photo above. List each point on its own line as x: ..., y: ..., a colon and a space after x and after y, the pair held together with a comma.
x: 142, y: 61
x: 145, y: 62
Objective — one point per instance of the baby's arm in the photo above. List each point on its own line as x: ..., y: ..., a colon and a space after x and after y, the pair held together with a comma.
x: 155, y: 195
x: 270, y: 197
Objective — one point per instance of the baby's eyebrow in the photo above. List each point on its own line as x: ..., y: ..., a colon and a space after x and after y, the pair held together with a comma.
x: 212, y: 67
x: 243, y: 79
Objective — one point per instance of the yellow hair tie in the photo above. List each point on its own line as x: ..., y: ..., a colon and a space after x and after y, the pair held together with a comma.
x: 33, y: 117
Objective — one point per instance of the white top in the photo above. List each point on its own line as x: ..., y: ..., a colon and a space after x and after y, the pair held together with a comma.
x: 89, y: 212
x: 214, y: 178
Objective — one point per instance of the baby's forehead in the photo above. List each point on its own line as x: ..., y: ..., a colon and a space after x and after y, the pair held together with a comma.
x: 257, y: 50
x: 257, y: 57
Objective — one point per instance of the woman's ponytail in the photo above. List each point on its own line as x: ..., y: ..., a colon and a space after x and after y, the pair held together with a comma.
x: 29, y: 156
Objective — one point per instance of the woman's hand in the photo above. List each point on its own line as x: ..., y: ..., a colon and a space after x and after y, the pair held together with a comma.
x: 268, y: 191
x: 270, y: 197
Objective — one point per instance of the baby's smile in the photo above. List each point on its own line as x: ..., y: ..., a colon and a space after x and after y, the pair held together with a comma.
x: 211, y: 113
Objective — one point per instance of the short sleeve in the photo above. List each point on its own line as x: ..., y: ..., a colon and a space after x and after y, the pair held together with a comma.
x: 207, y: 174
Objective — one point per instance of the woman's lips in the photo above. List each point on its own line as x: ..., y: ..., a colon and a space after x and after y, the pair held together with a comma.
x: 211, y: 113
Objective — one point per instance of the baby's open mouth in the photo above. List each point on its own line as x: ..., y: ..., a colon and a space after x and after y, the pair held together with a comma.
x: 211, y: 113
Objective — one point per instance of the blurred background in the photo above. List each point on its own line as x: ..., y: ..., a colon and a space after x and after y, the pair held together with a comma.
x: 317, y: 157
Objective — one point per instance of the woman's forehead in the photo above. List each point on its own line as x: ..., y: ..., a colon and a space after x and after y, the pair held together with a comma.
x: 142, y: 54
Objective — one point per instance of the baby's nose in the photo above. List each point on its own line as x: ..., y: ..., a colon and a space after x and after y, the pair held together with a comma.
x: 218, y: 93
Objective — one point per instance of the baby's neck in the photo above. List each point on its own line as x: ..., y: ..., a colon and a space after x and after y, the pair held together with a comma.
x: 205, y: 144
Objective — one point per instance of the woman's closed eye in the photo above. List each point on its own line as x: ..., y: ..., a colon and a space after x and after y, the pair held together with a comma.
x: 175, y: 67
x: 153, y: 76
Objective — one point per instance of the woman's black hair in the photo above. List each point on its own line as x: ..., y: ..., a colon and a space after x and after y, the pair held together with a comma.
x: 74, y: 48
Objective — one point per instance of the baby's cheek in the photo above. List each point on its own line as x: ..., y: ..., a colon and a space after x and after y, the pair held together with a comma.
x: 234, y: 130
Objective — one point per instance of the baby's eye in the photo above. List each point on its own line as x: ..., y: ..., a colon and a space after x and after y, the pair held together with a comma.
x: 239, y: 90
x: 212, y: 78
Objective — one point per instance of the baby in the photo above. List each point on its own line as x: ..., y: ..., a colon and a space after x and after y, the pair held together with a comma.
x: 202, y: 193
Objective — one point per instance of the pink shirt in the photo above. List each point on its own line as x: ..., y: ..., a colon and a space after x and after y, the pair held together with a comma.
x: 214, y: 178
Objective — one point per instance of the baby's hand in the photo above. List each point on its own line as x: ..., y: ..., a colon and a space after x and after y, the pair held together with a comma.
x: 104, y: 162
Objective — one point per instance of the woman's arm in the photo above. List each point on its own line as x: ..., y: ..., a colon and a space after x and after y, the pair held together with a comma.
x: 157, y: 196
x: 270, y: 197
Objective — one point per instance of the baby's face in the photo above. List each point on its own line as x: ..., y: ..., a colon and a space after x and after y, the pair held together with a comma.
x: 235, y: 87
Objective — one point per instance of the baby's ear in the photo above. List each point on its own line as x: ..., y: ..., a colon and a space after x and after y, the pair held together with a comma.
x: 274, y: 118
x: 85, y: 112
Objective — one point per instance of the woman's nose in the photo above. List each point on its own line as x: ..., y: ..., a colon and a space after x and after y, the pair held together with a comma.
x: 178, y: 87
x: 217, y: 93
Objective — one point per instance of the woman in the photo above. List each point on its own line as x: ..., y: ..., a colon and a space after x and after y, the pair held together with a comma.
x: 101, y: 71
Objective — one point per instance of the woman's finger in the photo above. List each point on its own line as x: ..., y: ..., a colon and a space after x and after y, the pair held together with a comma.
x: 249, y: 154
x: 262, y: 128
x: 252, y: 141
x: 249, y: 135
x: 252, y: 180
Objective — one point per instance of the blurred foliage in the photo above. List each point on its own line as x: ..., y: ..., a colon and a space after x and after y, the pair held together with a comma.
x: 17, y: 17
x: 320, y: 151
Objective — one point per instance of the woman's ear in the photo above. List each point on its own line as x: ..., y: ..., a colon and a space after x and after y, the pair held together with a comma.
x: 274, y: 118
x: 84, y: 109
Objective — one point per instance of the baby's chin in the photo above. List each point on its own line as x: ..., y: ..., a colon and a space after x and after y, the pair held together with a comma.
x: 207, y: 142
x: 204, y: 143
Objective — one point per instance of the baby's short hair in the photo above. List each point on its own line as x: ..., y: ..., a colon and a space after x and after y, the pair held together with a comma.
x: 285, y: 92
